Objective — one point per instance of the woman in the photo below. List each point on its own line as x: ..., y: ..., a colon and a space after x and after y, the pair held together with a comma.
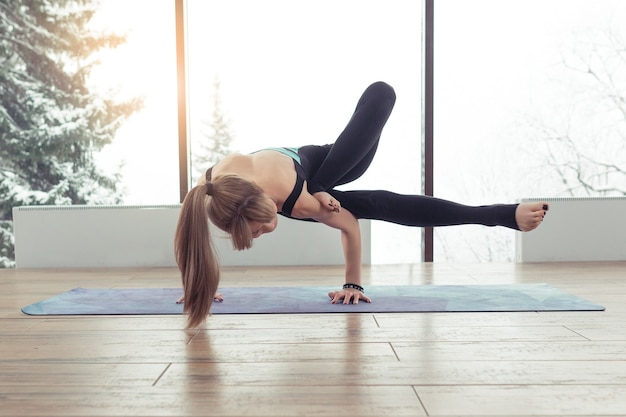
x: 242, y: 195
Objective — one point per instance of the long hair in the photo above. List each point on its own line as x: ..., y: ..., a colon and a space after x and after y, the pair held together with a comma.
x: 231, y: 204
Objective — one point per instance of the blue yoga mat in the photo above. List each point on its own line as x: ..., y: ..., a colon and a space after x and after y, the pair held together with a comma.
x: 264, y: 300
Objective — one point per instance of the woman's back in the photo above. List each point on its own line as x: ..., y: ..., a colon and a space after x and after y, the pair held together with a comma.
x: 272, y: 171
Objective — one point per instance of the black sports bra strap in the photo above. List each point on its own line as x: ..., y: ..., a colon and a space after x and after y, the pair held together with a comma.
x: 290, y: 202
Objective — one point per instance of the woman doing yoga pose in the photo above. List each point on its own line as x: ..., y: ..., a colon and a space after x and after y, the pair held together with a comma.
x: 242, y: 195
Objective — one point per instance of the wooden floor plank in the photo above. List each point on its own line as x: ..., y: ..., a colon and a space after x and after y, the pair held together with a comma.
x: 38, y: 373
x: 216, y: 401
x: 359, y: 335
x: 509, y: 351
x: 420, y: 372
x: 174, y: 346
x: 529, y: 400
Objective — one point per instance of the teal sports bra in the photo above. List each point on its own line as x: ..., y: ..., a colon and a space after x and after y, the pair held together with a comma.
x: 290, y: 152
x: 300, y: 178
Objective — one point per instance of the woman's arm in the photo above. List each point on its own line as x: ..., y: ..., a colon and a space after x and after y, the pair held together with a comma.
x: 308, y: 206
x: 350, y: 241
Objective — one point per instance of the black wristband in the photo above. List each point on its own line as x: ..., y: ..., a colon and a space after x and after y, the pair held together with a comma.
x: 353, y: 286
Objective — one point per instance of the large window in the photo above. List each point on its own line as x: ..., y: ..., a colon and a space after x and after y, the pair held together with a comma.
x: 528, y: 103
x: 145, y: 149
x: 86, y: 116
x: 289, y: 73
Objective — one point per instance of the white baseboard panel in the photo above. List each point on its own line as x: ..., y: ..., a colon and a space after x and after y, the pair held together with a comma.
x: 140, y: 236
x: 577, y: 229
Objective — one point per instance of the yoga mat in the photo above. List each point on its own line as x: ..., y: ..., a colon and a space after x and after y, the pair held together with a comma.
x: 262, y: 300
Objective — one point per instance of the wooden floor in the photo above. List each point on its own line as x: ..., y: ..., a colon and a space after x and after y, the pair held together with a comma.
x: 454, y: 364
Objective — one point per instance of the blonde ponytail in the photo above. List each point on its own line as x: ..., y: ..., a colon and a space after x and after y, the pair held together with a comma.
x: 232, y: 204
x: 195, y: 257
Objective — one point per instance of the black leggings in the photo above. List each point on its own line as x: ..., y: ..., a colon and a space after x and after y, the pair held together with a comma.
x: 349, y: 157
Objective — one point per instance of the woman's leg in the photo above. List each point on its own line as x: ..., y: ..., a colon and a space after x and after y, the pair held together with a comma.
x: 423, y: 211
x: 351, y: 154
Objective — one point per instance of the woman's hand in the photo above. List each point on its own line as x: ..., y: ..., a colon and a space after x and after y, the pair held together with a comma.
x: 328, y: 201
x: 347, y: 295
x: 218, y: 297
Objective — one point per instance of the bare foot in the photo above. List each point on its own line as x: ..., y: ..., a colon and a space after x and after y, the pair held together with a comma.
x: 530, y: 215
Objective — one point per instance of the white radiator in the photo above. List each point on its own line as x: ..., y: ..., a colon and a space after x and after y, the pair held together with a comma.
x: 138, y: 236
x: 577, y: 229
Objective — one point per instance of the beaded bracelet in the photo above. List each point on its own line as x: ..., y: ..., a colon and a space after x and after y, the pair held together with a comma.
x: 353, y: 286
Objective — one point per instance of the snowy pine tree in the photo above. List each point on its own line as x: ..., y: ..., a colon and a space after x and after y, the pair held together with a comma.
x: 216, y: 139
x: 50, y: 123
